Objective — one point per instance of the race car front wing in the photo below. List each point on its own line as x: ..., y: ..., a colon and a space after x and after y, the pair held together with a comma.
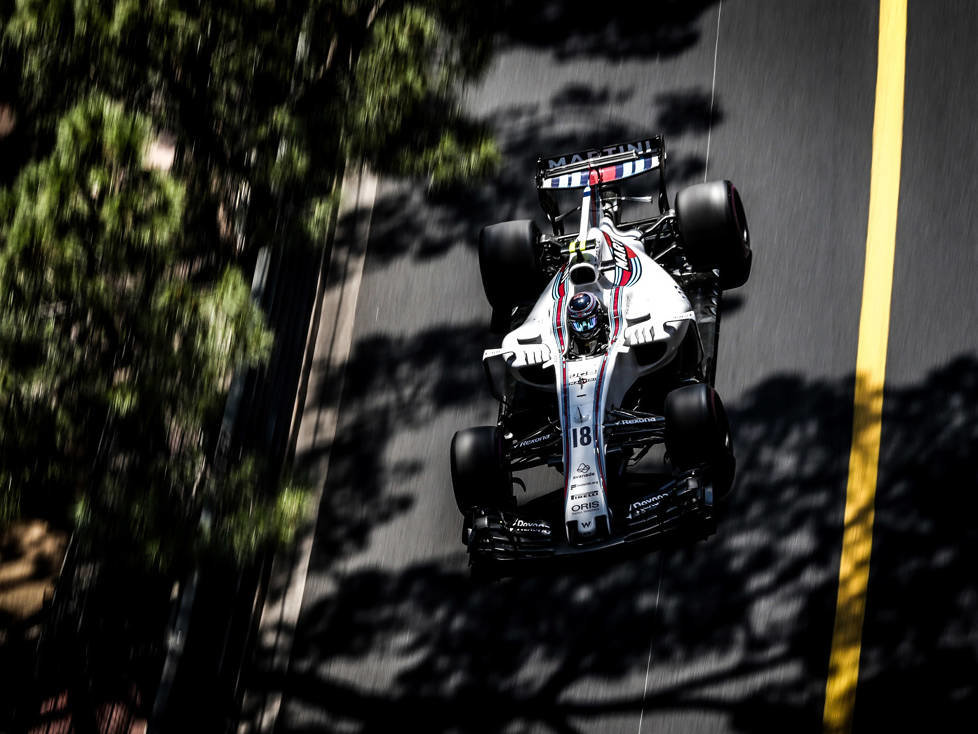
x: 685, y: 503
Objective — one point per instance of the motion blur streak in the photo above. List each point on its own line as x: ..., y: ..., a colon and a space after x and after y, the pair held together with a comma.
x: 840, y: 692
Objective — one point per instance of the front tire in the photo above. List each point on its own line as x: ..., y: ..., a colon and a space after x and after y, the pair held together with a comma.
x: 698, y: 432
x: 713, y: 225
x: 509, y: 263
x: 478, y: 476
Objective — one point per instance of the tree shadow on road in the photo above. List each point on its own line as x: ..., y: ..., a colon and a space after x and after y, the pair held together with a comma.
x: 739, y: 625
x: 408, y: 219
x: 919, y: 662
x: 397, y: 384
x: 630, y: 28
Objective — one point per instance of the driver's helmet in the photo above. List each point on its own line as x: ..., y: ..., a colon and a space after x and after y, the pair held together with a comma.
x: 583, y: 315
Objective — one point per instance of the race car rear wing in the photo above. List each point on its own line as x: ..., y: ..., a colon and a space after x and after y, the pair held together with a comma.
x: 603, y: 165
x: 612, y: 162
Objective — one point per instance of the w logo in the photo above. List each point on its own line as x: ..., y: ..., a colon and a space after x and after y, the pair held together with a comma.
x: 585, y: 525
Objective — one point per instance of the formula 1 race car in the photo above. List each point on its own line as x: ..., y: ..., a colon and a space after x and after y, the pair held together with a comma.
x: 609, y: 351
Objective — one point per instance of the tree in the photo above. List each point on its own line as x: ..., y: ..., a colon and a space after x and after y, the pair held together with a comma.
x: 269, y: 96
x: 117, y: 278
x: 114, y: 358
x: 124, y: 309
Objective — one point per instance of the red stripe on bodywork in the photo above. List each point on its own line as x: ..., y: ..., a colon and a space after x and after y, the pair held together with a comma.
x: 559, y: 315
x: 598, y: 418
x: 559, y: 328
x: 566, y: 422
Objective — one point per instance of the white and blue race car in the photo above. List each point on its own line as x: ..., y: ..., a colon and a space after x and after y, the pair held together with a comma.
x: 609, y: 350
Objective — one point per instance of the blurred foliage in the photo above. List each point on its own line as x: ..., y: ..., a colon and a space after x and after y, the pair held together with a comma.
x: 265, y: 97
x: 125, y: 306
x: 113, y: 363
x: 251, y: 521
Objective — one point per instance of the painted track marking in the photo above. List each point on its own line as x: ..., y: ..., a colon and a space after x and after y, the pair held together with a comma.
x: 713, y: 89
x: 874, y: 318
x: 648, y: 664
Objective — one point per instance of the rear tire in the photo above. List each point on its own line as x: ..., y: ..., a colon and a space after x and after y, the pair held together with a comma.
x: 714, y: 229
x: 478, y: 477
x: 698, y: 432
x: 509, y: 263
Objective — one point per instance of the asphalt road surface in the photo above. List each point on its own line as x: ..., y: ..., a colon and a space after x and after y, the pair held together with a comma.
x: 731, y: 634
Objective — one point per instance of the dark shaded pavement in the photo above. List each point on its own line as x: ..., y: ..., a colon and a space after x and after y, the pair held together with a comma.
x: 731, y: 634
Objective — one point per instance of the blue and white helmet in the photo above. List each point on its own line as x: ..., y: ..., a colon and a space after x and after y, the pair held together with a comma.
x: 583, y: 312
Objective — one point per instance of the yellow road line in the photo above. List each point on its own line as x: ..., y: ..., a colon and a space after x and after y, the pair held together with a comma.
x: 874, y: 318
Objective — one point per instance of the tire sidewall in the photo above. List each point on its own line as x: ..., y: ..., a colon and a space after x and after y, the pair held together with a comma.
x: 714, y: 230
x: 509, y: 263
x: 698, y: 432
x: 478, y: 476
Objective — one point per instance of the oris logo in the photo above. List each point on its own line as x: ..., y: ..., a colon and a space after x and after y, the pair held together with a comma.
x: 585, y: 507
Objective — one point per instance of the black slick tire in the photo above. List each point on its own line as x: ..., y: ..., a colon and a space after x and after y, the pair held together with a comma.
x: 697, y: 431
x: 509, y: 263
x: 478, y: 477
x: 713, y: 225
